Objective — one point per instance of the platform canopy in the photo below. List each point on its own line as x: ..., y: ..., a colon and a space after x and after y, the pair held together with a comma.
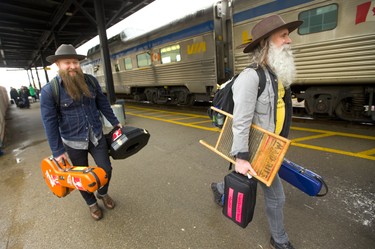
x: 30, y: 30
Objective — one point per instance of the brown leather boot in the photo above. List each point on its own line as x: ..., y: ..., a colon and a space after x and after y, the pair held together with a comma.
x: 96, y: 212
x: 107, y: 201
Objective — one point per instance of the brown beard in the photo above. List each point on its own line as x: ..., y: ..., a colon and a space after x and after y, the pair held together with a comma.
x: 75, y: 85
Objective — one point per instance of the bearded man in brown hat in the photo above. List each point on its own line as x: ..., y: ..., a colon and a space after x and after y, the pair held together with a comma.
x: 270, y: 50
x: 72, y: 120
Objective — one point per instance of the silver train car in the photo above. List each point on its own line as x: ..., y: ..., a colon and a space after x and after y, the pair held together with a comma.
x: 184, y: 61
x: 334, y: 52
x: 176, y: 63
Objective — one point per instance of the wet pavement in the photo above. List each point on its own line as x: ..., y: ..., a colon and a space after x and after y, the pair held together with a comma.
x: 164, y: 200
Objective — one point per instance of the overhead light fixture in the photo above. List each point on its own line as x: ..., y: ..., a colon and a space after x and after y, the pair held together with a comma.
x: 68, y: 13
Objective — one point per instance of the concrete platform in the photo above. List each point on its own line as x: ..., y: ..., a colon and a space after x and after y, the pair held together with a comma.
x: 164, y: 199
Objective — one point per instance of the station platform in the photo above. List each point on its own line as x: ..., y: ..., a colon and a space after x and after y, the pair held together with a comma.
x: 163, y: 193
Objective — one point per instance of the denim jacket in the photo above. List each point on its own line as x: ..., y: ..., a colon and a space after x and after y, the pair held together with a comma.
x: 261, y: 111
x: 71, y: 119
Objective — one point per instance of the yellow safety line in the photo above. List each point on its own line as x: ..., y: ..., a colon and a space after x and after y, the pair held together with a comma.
x: 334, y: 151
x: 182, y: 118
x: 143, y: 112
x: 160, y: 115
x: 334, y: 133
x: 312, y: 137
x: 200, y: 122
x: 367, y: 152
x: 174, y: 113
x: 364, y: 154
x: 175, y: 122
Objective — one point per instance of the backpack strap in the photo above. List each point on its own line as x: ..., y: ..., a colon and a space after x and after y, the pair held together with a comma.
x: 55, y: 91
x: 262, y: 81
x: 262, y: 77
x: 89, y: 78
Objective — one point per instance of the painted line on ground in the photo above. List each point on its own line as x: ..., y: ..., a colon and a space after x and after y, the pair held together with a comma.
x: 140, y: 112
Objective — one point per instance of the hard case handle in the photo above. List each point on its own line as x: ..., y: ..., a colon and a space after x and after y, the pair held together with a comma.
x: 317, y: 177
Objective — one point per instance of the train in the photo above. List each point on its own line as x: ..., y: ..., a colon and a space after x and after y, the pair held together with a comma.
x: 185, y: 60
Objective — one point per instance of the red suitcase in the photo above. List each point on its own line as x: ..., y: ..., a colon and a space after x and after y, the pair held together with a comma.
x: 63, y: 179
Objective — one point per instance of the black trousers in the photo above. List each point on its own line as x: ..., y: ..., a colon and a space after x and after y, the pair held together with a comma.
x: 101, y: 158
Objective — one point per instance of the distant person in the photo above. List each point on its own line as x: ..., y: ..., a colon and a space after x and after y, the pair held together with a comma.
x: 32, y: 92
x: 271, y: 50
x: 74, y: 127
x: 14, y: 95
x: 24, y: 94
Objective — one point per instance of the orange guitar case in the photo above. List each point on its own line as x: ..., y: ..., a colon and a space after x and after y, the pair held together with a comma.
x: 63, y: 178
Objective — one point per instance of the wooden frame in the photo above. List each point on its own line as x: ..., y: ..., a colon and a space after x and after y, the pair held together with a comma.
x: 267, y: 150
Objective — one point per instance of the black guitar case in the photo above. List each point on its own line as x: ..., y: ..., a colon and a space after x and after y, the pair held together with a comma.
x: 127, y: 141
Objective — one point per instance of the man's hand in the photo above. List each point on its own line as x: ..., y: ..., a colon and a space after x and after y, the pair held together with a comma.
x: 63, y: 160
x: 119, y: 125
x: 60, y: 158
x: 243, y: 167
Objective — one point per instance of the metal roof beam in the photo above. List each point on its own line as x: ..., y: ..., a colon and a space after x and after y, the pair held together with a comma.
x: 31, y: 28
x: 44, y: 42
x: 79, y: 6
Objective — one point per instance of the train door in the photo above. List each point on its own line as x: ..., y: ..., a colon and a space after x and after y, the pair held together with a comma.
x: 221, y: 15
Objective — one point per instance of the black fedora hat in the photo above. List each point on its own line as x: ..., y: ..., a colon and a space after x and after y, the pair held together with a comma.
x: 65, y: 51
x: 265, y: 28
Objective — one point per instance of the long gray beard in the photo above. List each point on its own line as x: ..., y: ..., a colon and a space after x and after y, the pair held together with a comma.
x: 281, y: 62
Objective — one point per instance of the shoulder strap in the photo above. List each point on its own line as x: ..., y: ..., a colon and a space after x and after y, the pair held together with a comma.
x: 55, y: 91
x: 262, y: 80
x: 55, y: 87
x: 262, y: 77
x: 90, y: 79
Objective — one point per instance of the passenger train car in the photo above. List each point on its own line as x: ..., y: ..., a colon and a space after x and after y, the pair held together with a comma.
x: 184, y: 61
x: 175, y: 63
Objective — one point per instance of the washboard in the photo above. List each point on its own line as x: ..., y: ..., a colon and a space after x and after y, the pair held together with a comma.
x: 267, y: 150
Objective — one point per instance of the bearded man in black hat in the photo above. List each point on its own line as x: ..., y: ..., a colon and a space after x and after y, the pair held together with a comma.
x: 270, y: 49
x: 72, y: 120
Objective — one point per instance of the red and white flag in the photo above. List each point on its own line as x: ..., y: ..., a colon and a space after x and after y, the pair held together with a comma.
x: 365, y: 12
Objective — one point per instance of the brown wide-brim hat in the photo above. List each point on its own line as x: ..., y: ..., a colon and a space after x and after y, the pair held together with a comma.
x: 65, y: 51
x: 265, y: 28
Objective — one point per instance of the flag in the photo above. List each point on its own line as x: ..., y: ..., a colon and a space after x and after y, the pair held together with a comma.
x: 365, y: 12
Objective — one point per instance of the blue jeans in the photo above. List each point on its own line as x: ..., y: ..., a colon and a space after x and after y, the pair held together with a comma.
x: 101, y: 158
x: 274, y: 198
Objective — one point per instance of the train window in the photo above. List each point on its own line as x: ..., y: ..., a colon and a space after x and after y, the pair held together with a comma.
x: 170, y: 54
x: 318, y: 19
x: 128, y: 63
x: 144, y: 60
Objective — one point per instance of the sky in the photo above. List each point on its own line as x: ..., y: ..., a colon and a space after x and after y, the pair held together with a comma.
x: 150, y: 17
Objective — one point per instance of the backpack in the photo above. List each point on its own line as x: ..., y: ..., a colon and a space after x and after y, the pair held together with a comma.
x: 223, y: 98
x: 55, y: 87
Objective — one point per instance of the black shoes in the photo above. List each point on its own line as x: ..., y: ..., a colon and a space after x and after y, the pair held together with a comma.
x: 218, y: 197
x: 275, y: 245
